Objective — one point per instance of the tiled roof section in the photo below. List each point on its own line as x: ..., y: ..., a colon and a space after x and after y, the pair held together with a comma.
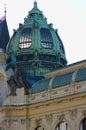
x: 40, y: 86
x: 4, y: 33
x: 60, y: 80
x: 81, y: 75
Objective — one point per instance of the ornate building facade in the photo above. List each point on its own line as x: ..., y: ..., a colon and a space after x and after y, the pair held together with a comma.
x: 38, y: 90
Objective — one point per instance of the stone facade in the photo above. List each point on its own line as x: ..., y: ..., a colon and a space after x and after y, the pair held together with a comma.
x: 45, y: 110
x: 38, y: 90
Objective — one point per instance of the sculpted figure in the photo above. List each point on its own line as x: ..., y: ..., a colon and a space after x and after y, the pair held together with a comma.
x: 18, y: 81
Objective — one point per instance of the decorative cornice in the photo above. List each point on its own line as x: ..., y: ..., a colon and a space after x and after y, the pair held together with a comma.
x: 67, y: 69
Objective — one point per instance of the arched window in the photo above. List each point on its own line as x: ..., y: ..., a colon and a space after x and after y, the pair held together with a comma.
x: 62, y: 126
x: 46, y: 39
x: 83, y: 124
x: 25, y: 39
x: 39, y: 128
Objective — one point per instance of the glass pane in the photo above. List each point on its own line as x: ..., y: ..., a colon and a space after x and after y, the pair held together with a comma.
x: 62, y: 126
x: 25, y: 39
x: 46, y: 39
x: 81, y: 128
x: 83, y: 124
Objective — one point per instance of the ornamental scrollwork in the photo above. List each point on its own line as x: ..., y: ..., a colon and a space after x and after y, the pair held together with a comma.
x: 49, y: 118
x: 84, y: 112
x: 38, y: 121
x: 73, y: 113
x: 61, y: 117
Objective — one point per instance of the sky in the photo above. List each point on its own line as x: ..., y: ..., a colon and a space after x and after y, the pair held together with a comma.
x: 68, y: 16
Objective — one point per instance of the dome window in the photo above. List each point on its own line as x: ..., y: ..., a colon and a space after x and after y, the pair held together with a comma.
x: 46, y: 39
x: 25, y: 39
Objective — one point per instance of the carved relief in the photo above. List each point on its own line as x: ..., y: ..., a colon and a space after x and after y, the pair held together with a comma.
x: 73, y: 113
x: 15, y: 122
x: 18, y: 81
x: 12, y: 85
x: 84, y: 112
x: 49, y: 118
x: 8, y: 123
x: 38, y: 121
x: 61, y: 117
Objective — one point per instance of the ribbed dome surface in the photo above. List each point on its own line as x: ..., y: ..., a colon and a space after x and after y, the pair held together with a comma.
x: 36, y: 46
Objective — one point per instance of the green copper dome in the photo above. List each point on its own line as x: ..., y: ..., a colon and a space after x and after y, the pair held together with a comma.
x: 36, y: 46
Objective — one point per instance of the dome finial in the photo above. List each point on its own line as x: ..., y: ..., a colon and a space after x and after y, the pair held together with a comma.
x: 35, y: 4
x: 5, y: 9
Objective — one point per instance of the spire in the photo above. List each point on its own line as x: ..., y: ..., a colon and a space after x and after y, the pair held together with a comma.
x: 3, y: 17
x: 4, y: 32
x: 35, y: 5
x: 35, y: 15
x: 5, y: 9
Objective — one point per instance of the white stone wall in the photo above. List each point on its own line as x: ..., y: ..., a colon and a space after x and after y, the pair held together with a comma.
x: 3, y: 88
